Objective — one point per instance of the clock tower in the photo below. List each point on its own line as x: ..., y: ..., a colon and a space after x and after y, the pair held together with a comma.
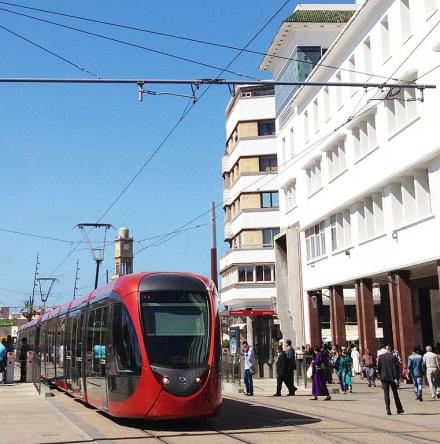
x: 123, y: 254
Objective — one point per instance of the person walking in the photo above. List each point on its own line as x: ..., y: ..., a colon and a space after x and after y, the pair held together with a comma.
x: 415, y: 371
x: 319, y: 387
x: 388, y: 368
x: 3, y: 360
x: 431, y: 364
x: 23, y: 359
x: 283, y: 372
x: 369, y: 367
x: 355, y: 358
x: 343, y: 366
x: 249, y: 361
x: 291, y: 366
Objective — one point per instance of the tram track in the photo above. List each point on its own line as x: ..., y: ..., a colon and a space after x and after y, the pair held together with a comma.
x: 185, y: 434
x: 405, y: 436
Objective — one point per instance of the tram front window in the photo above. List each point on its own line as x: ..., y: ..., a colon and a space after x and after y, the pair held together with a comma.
x: 176, y: 328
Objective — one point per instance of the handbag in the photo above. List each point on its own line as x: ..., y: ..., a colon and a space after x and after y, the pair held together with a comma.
x: 310, y: 372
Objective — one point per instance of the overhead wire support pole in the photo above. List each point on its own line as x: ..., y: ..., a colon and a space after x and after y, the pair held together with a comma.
x: 198, y: 82
x: 97, y: 252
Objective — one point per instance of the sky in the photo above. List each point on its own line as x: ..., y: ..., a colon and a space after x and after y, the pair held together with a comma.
x: 67, y: 151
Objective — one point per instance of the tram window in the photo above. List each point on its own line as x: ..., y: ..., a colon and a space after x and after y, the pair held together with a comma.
x: 125, y: 343
x: 176, y: 328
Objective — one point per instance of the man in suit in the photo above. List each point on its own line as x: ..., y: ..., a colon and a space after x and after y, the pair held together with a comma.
x: 388, y: 368
x: 291, y: 364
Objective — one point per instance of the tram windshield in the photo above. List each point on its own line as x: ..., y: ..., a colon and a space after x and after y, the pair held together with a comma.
x: 176, y: 328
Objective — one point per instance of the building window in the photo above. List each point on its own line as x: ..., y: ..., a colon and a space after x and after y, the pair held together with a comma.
x: 326, y: 104
x: 315, y: 116
x: 352, y: 72
x: 269, y: 200
x: 370, y: 217
x: 405, y: 19
x: 338, y: 90
x: 263, y: 273
x: 245, y: 273
x: 268, y: 236
x: 367, y: 56
x: 340, y: 230
x: 266, y: 128
x: 292, y: 143
x: 415, y: 196
x: 364, y: 137
x: 401, y: 109
x: 385, y: 38
x: 313, y: 173
x: 290, y: 194
x: 336, y: 160
x: 306, y: 126
x: 315, y: 241
x: 268, y: 163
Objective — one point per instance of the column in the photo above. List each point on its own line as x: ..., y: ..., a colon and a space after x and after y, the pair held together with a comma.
x: 337, y: 315
x: 386, y: 315
x: 249, y: 331
x: 314, y: 318
x: 365, y: 315
x: 438, y: 273
x: 402, y: 313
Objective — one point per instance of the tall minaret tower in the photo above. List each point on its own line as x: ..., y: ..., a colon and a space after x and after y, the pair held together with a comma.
x: 123, y: 253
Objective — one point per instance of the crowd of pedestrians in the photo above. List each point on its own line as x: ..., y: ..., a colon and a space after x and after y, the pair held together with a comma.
x: 384, y: 367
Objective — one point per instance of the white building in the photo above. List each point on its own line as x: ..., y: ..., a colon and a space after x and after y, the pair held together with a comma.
x: 359, y: 172
x: 251, y: 209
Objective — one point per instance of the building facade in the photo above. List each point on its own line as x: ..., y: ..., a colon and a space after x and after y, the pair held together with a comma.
x: 251, y: 202
x: 359, y: 173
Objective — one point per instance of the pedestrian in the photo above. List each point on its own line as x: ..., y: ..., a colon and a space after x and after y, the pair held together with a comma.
x: 344, y: 366
x: 415, y: 371
x: 431, y: 364
x: 369, y: 367
x: 23, y: 359
x: 10, y: 346
x: 388, y: 368
x: 283, y: 372
x: 249, y: 361
x: 3, y: 360
x: 356, y: 367
x: 319, y: 387
x: 291, y: 364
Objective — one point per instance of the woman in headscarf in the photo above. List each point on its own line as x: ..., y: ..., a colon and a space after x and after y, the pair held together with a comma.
x: 319, y: 375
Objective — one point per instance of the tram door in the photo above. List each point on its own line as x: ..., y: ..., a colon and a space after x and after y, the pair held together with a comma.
x: 76, y: 354
x: 97, y: 349
x: 68, y: 353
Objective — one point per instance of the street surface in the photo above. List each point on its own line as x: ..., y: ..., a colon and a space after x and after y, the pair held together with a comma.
x: 352, y: 418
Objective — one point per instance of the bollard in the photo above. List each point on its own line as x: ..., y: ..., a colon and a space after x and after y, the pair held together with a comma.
x: 29, y: 361
x: 10, y: 367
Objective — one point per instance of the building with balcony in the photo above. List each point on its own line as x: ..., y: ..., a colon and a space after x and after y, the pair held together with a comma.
x: 359, y: 174
x: 251, y: 203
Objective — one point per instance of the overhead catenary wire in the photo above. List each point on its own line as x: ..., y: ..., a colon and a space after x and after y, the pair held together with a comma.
x: 126, y: 43
x: 188, y: 39
x: 58, y: 56
x: 181, y: 118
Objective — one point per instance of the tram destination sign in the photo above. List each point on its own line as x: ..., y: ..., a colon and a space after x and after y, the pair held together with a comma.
x: 8, y: 322
x: 251, y: 312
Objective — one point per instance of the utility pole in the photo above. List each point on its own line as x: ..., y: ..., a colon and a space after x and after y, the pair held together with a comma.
x: 214, y: 273
x: 31, y: 300
x: 76, y: 279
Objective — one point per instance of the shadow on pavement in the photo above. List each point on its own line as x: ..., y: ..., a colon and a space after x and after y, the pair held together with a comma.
x: 234, y: 415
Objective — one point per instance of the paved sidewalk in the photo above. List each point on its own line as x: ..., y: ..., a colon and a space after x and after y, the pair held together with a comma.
x: 352, y: 418
x: 27, y: 417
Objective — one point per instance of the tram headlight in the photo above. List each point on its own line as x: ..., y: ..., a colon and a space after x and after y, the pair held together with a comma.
x: 198, y: 380
x: 165, y: 380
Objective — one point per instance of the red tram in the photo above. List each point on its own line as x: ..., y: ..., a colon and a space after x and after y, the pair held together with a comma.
x: 144, y: 346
